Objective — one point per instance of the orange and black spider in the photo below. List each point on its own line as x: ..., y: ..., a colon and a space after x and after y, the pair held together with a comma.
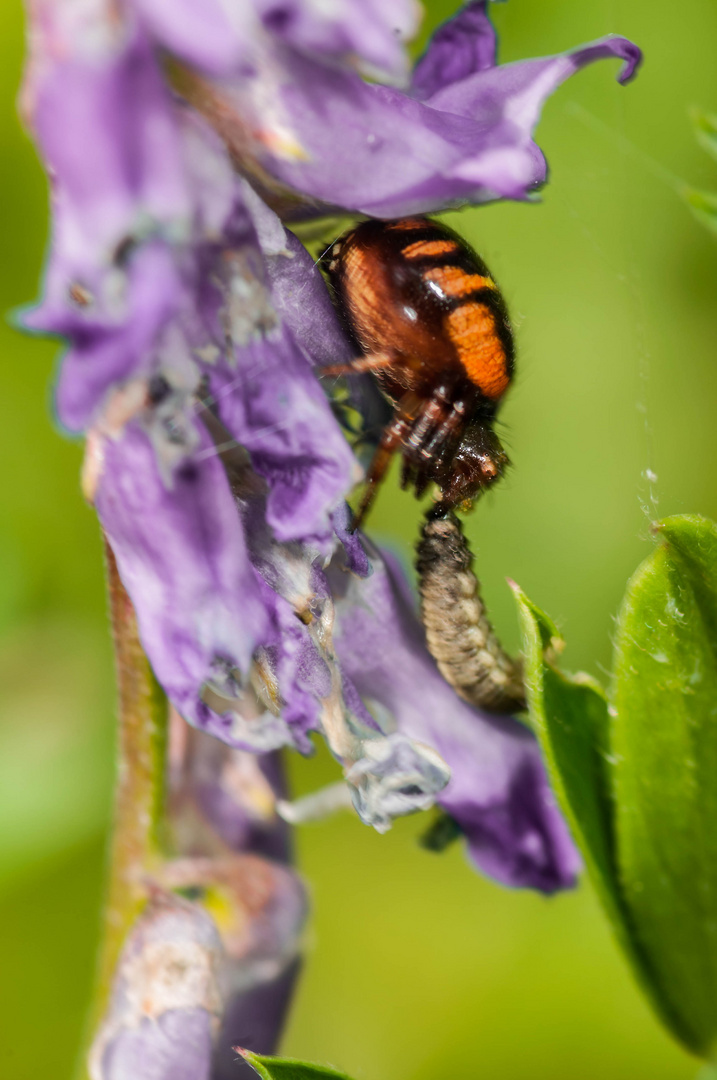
x: 434, y: 330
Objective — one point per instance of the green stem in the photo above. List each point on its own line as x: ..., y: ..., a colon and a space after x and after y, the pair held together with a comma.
x: 135, y: 845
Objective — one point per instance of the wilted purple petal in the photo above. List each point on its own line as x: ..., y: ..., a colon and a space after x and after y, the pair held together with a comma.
x: 395, y: 775
x: 372, y: 149
x: 182, y: 557
x: 463, y: 45
x: 498, y: 791
x: 389, y: 774
x: 301, y: 662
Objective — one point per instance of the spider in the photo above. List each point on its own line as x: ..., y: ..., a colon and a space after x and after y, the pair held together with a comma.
x: 434, y: 331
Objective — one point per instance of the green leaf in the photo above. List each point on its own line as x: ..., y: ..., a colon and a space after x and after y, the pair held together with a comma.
x: 569, y: 715
x: 664, y: 738
x: 272, y: 1068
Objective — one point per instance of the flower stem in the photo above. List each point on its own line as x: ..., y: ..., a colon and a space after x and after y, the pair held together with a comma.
x: 136, y: 841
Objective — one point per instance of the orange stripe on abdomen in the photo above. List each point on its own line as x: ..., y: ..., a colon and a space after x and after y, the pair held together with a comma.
x: 423, y: 249
x: 471, y: 328
x: 453, y: 281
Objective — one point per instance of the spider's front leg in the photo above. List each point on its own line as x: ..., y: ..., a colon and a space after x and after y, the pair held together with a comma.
x: 394, y: 435
x: 432, y: 442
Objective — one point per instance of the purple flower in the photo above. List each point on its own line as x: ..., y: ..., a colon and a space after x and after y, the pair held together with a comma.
x: 498, y: 792
x: 194, y: 325
x: 189, y: 986
x: 225, y: 796
x: 166, y: 999
x: 218, y: 37
x: 462, y: 133
x: 183, y: 992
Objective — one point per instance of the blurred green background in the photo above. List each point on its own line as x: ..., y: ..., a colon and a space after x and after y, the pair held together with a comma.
x: 417, y: 967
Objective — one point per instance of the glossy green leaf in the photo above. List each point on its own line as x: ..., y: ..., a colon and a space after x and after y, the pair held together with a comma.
x: 664, y: 738
x: 569, y: 715
x: 272, y: 1068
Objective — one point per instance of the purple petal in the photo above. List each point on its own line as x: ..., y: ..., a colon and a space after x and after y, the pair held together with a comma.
x: 109, y: 347
x: 463, y: 45
x: 302, y: 300
x: 372, y: 149
x: 219, y: 792
x: 212, y: 35
x: 301, y: 674
x: 372, y: 30
x: 254, y: 1020
x: 175, y: 1046
x: 217, y: 37
x: 264, y: 912
x: 106, y: 127
x: 517, y: 91
x: 498, y: 791
x: 135, y: 178
x: 183, y: 560
x: 357, y: 560
x: 273, y: 404
x: 301, y: 667
x: 165, y: 997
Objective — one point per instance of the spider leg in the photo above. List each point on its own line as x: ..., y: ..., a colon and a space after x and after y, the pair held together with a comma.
x: 423, y: 479
x: 445, y: 437
x: 432, y: 443
x: 431, y: 413
x: 393, y: 436
x: 409, y: 473
x: 371, y: 362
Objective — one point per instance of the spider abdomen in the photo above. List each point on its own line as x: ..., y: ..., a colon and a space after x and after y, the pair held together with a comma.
x: 415, y: 290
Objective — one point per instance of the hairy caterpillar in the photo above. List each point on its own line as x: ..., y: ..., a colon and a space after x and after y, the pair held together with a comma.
x: 458, y: 631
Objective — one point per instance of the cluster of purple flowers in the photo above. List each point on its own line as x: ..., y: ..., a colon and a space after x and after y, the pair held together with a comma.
x: 180, y: 137
x: 195, y: 321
